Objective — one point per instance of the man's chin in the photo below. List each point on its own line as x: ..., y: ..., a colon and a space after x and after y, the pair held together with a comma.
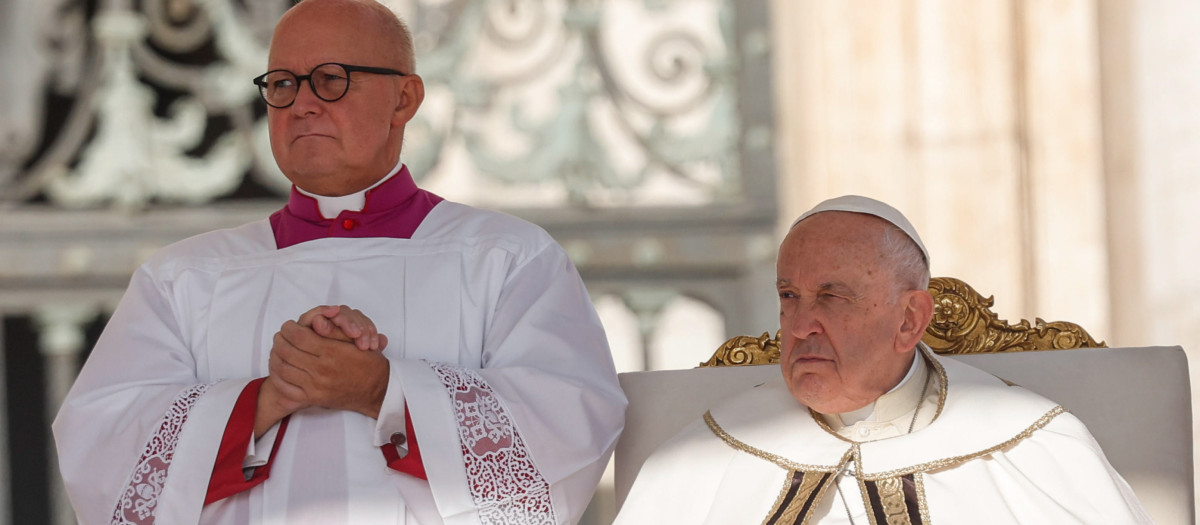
x: 809, y: 392
x: 824, y: 406
x: 313, y: 165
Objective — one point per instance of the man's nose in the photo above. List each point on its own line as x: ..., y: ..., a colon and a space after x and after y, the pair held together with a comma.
x: 802, y: 322
x: 307, y: 102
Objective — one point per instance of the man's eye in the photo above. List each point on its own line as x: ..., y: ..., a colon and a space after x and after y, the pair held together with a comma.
x: 329, y: 77
x: 786, y: 295
x: 283, y: 83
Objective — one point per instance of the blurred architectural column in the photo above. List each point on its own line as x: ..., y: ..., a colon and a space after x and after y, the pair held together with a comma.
x: 1150, y: 66
x: 1067, y: 247
x: 979, y: 120
x: 5, y: 471
x: 61, y: 336
x: 647, y: 305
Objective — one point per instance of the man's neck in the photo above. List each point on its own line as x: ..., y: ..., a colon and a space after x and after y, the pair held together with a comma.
x: 893, y: 406
x: 331, y: 207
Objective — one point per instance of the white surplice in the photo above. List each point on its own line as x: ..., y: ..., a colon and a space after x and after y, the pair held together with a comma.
x: 995, y: 453
x: 493, y: 345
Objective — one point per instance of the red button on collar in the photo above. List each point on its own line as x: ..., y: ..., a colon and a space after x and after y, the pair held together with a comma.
x: 349, y: 224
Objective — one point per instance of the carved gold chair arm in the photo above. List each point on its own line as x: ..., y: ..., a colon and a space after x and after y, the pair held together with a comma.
x: 746, y: 350
x: 963, y: 323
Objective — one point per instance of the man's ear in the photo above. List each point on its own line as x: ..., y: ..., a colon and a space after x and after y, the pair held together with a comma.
x: 412, y: 93
x: 918, y: 311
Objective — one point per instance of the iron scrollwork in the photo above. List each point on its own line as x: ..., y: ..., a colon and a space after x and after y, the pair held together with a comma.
x: 586, y: 103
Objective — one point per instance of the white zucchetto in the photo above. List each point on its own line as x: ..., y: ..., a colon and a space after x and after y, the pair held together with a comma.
x: 869, y: 206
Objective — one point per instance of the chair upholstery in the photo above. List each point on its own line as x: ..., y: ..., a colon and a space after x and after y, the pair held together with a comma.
x: 1135, y: 401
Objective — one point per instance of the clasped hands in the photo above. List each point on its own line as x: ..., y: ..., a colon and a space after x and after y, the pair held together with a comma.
x: 331, y: 357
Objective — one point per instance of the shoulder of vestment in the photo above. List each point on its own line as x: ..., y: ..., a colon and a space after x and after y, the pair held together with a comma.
x: 455, y: 222
x: 978, y: 414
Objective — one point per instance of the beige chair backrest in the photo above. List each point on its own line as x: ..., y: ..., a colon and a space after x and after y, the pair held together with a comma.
x: 1135, y: 401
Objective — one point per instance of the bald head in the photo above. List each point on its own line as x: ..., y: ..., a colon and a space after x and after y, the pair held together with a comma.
x: 374, y: 23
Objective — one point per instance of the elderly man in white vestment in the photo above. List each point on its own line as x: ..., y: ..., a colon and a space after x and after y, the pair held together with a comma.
x: 471, y: 382
x: 866, y: 424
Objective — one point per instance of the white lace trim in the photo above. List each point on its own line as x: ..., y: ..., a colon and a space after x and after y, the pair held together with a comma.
x: 145, y: 484
x: 505, y: 484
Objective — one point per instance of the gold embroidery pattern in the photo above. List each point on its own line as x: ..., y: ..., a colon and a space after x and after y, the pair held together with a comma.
x: 788, y: 464
x: 782, y: 499
x: 773, y: 458
x: 891, y: 498
x: 830, y: 479
x: 949, y: 462
x: 922, y: 507
x: 807, y: 484
x: 941, y: 375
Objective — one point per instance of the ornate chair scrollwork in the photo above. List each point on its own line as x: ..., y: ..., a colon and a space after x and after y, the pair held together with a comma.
x: 963, y: 323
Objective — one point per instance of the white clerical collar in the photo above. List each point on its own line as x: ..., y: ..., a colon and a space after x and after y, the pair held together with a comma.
x: 331, y: 207
x: 894, y: 403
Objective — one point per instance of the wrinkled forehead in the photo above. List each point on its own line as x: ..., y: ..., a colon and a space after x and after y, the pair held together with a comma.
x: 845, y: 258
x: 834, y: 235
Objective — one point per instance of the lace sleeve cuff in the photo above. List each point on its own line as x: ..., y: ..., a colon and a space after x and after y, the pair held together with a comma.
x: 505, y: 484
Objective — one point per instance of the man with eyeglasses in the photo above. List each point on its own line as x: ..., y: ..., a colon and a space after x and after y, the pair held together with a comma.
x: 226, y: 389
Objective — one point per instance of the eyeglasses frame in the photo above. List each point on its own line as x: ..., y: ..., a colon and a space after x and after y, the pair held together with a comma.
x: 260, y: 80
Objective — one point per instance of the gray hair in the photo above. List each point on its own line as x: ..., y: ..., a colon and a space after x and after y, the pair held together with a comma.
x: 905, y: 258
x: 396, y: 27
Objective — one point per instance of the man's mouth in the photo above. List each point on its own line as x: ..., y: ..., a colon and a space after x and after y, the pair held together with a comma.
x: 810, y: 359
x: 310, y: 135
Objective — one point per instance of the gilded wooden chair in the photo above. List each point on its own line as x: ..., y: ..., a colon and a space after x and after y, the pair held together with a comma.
x: 963, y: 323
x: 1136, y: 401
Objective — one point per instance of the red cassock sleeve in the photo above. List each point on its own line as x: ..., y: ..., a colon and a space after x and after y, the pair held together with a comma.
x: 228, y: 477
x: 410, y: 464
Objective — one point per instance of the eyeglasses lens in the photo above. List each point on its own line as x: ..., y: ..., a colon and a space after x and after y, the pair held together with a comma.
x: 329, y: 82
x: 279, y: 88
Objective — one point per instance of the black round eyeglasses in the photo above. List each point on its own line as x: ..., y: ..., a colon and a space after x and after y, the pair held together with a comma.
x: 329, y: 81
